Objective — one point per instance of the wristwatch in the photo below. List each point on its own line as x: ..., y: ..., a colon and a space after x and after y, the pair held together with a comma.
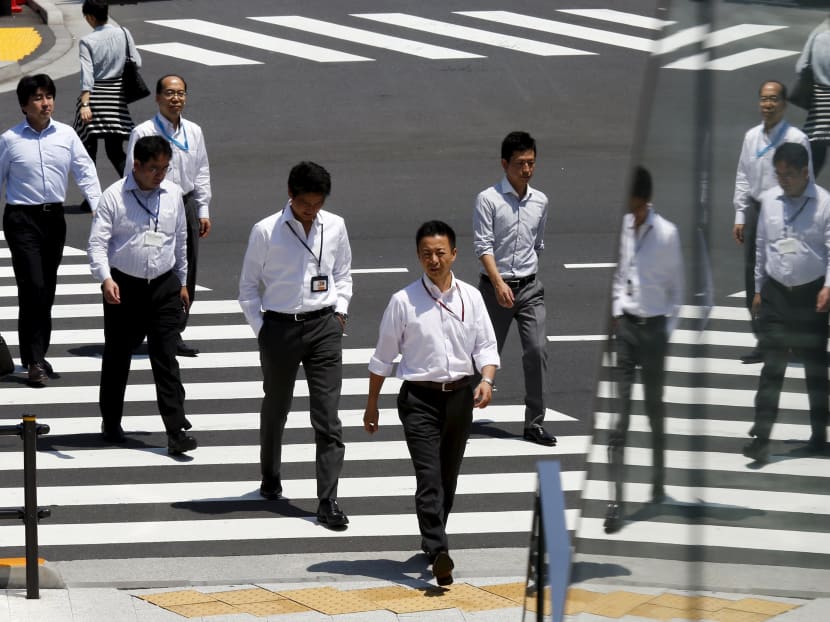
x: 85, y: 105
x: 487, y: 380
x: 342, y: 316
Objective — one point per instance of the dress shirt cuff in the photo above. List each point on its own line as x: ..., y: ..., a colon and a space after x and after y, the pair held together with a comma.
x: 379, y: 368
x: 759, y: 283
x: 740, y: 216
x: 616, y: 308
x: 484, y: 359
x: 252, y: 310
x: 204, y: 211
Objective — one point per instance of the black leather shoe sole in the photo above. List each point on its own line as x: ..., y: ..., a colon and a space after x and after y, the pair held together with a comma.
x: 181, y: 444
x: 332, y: 520
x: 113, y: 436
x: 185, y: 350
x: 270, y: 495
x: 540, y: 438
x: 756, y: 356
x: 757, y: 451
x: 442, y: 567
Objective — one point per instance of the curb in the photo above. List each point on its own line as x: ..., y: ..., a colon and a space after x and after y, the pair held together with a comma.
x: 53, y: 17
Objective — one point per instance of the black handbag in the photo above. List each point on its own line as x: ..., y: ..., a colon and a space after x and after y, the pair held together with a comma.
x: 133, y: 86
x: 6, y: 362
x: 801, y: 94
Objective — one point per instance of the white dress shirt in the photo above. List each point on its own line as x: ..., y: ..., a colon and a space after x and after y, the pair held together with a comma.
x: 278, y: 268
x: 103, y: 52
x: 35, y: 165
x: 755, y: 170
x: 793, y: 242
x: 510, y: 229
x: 189, y: 165
x: 117, y: 237
x: 649, y: 280
x: 437, y: 341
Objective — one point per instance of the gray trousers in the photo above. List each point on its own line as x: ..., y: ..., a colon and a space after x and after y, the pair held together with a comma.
x: 191, y: 211
x: 317, y: 344
x: 750, y: 233
x: 529, y: 312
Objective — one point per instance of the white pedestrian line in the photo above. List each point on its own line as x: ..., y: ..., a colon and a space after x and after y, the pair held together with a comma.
x: 578, y: 266
x: 195, y: 54
x: 485, y: 37
x: 191, y: 333
x: 68, y: 251
x: 561, y: 338
x: 740, y: 294
x: 680, y: 39
x: 620, y: 17
x: 250, y: 38
x: 71, y: 289
x: 562, y: 28
x: 293, y: 489
x: 82, y: 269
x: 366, y: 37
x: 95, y: 309
x: 377, y: 270
x: 709, y: 365
x: 297, y: 419
x: 109, y: 458
x: 713, y: 497
x: 715, y: 313
x: 697, y: 535
x: 711, y: 38
x: 732, y: 62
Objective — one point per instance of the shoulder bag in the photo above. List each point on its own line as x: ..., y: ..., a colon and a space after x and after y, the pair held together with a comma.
x: 133, y: 86
x: 801, y: 94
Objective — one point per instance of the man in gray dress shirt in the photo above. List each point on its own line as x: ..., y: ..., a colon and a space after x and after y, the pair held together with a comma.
x: 508, y: 236
x: 792, y: 278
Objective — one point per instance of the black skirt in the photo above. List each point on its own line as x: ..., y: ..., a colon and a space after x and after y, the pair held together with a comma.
x: 110, y: 114
x: 817, y: 126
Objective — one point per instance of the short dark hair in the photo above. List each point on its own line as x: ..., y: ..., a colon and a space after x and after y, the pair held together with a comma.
x: 309, y: 177
x: 28, y: 86
x: 432, y: 228
x: 99, y: 9
x: 781, y: 86
x: 160, y: 87
x: 517, y: 141
x: 150, y: 147
x: 641, y: 184
x: 792, y: 154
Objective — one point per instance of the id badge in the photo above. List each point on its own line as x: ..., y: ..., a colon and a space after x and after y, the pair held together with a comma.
x: 787, y: 246
x: 153, y: 238
x: 319, y: 284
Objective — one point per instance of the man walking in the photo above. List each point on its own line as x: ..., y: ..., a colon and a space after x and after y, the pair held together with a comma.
x: 36, y: 157
x: 792, y: 281
x: 137, y: 252
x: 189, y: 169
x: 508, y: 236
x: 440, y: 327
x: 647, y: 293
x: 294, y: 290
x: 755, y: 175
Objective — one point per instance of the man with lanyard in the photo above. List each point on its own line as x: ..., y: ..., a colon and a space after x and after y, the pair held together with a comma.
x: 189, y: 169
x: 294, y: 290
x: 792, y: 281
x: 647, y: 292
x: 137, y: 252
x: 36, y: 157
x: 440, y: 327
x: 508, y: 236
x: 755, y: 175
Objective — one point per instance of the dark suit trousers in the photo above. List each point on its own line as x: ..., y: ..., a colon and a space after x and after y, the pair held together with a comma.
x: 643, y: 343
x: 437, y: 426
x: 789, y: 321
x: 317, y: 344
x: 35, y: 239
x: 750, y: 231
x: 147, y: 309
x: 192, y: 216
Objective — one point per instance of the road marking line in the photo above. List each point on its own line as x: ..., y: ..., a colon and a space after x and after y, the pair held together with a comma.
x: 561, y: 338
x: 579, y: 266
x: 710, y: 38
x: 195, y: 54
x: 68, y: 251
x: 620, y: 17
x: 70, y: 289
x: 703, y: 427
x: 729, y: 63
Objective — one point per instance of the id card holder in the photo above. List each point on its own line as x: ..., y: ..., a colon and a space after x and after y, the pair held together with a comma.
x: 319, y: 284
x: 787, y: 246
x: 153, y: 238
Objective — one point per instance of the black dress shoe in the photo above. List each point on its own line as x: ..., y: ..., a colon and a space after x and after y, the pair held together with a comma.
x: 330, y: 514
x: 756, y: 356
x: 538, y: 434
x: 658, y: 494
x: 180, y: 442
x: 182, y: 349
x: 613, y: 518
x: 270, y: 491
x: 36, y: 376
x: 758, y: 450
x: 442, y: 566
x: 816, y: 446
x: 113, y: 435
x: 47, y: 367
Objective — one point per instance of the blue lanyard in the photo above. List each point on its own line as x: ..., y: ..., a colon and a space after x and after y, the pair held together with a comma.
x: 774, y: 141
x: 160, y: 125
x: 788, y: 222
x: 155, y: 216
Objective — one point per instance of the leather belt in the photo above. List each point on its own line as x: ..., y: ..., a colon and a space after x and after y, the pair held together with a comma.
x: 513, y: 283
x: 298, y: 317
x: 444, y: 387
x: 644, y: 321
x: 44, y: 207
x: 797, y: 288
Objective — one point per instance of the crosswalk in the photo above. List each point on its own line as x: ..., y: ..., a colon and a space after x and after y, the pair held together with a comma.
x: 135, y: 500
x: 470, y: 35
x: 721, y: 507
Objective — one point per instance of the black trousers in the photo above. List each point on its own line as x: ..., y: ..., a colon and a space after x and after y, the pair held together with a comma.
x: 36, y: 236
x: 114, y: 146
x: 151, y: 310
x: 318, y: 344
x: 643, y: 343
x: 437, y: 426
x: 789, y: 321
x: 750, y: 231
x: 191, y: 211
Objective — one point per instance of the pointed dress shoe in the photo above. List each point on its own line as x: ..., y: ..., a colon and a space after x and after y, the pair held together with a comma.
x: 756, y: 356
x: 182, y: 349
x: 180, y: 442
x: 442, y: 566
x: 757, y: 450
x: 537, y: 434
x: 36, y: 375
x: 613, y: 518
x: 113, y: 434
x: 270, y: 491
x: 330, y: 514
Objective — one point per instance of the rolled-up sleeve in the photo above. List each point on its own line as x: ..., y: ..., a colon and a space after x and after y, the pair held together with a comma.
x: 250, y: 279
x: 483, y: 226
x: 390, y: 338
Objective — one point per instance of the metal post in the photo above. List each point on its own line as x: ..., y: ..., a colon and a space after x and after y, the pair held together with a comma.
x: 540, y: 562
x: 30, y: 511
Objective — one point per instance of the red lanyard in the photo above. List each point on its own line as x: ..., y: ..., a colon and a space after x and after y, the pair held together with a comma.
x: 441, y: 303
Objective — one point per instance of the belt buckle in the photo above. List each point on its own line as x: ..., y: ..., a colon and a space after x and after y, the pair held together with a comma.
x: 297, y: 317
x: 641, y: 321
x: 444, y: 388
x: 513, y: 284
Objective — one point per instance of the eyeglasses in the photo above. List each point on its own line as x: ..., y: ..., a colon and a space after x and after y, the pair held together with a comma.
x: 170, y: 93
x: 154, y: 170
x: 770, y: 98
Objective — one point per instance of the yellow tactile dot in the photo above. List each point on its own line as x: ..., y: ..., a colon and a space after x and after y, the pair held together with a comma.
x: 659, y: 612
x: 756, y: 605
x: 513, y: 591
x: 185, y: 597
x: 704, y: 603
x: 241, y: 597
x: 579, y: 599
x: 469, y: 598
x: 414, y: 605
x: 197, y: 610
x: 391, y: 592
x: 330, y: 601
x: 16, y: 43
x: 617, y: 604
x: 733, y: 615
x: 271, y: 608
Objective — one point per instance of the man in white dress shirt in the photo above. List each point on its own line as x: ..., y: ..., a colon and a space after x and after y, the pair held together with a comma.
x: 647, y: 293
x: 755, y: 175
x: 792, y: 278
x: 189, y: 168
x: 440, y: 327
x: 294, y: 290
x: 137, y: 252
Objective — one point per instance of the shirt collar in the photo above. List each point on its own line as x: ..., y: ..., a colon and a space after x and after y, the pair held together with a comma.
x: 131, y: 184
x: 433, y: 288
x: 505, y: 187
x: 649, y: 218
x: 168, y: 126
x: 773, y: 131
x: 48, y: 128
x: 288, y: 216
x: 809, y: 193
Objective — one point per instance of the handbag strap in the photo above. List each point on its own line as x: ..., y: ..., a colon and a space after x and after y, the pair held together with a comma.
x: 126, y: 45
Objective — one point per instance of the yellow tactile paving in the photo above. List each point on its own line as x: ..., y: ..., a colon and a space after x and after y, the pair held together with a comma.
x: 756, y: 605
x: 197, y: 610
x: 391, y: 592
x: 617, y: 604
x: 18, y: 561
x: 17, y: 43
x: 579, y: 599
x: 659, y: 612
x: 470, y: 598
x: 272, y: 608
x: 242, y: 597
x: 330, y: 601
x: 185, y: 597
x: 704, y: 603
x: 733, y: 615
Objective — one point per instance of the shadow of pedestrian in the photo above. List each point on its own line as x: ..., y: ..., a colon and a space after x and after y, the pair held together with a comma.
x: 412, y: 572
